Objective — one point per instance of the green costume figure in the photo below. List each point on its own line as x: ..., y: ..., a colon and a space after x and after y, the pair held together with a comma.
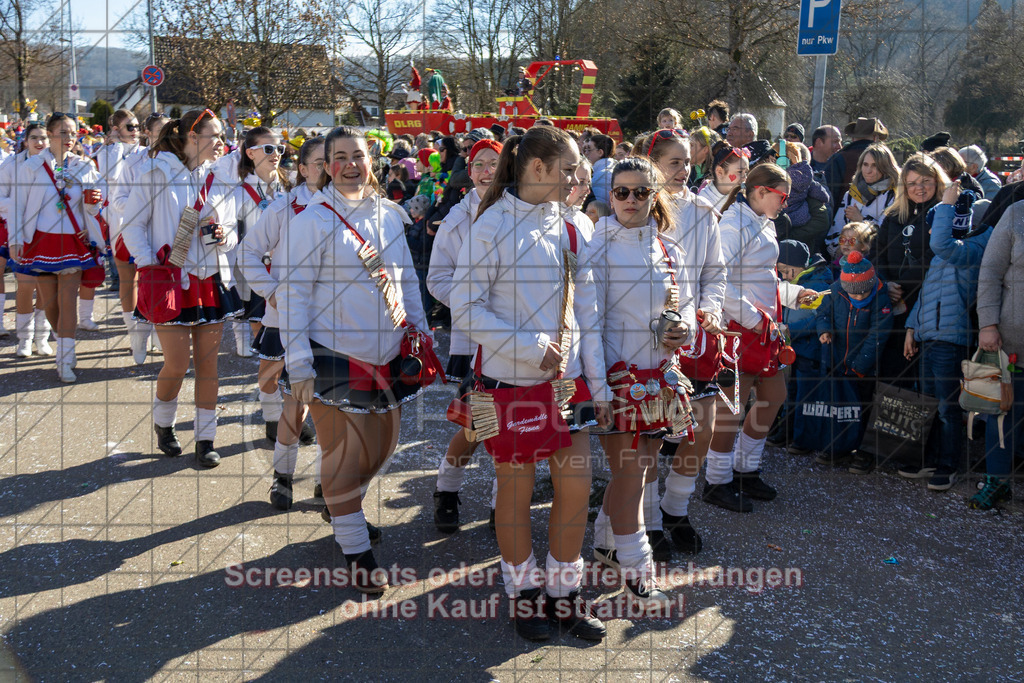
x: 435, y: 86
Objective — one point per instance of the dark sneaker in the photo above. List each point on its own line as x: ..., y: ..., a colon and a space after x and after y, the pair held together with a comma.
x: 862, y: 463
x: 943, y: 479
x: 365, y: 575
x: 916, y: 472
x: 607, y: 557
x: 778, y: 440
x: 167, y: 441
x: 795, y: 449
x: 572, y: 615
x: 281, y: 492
x: 272, y: 431
x: 318, y: 491
x: 646, y: 594
x: 307, y: 435
x: 375, y: 533
x: 660, y: 547
x: 726, y: 496
x: 684, y: 536
x: 994, y: 491
x: 446, y: 511
x: 205, y: 454
x: 325, y: 514
x: 753, y: 486
x: 528, y: 616
x: 834, y: 459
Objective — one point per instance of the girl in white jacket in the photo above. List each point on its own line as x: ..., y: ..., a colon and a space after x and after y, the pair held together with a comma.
x: 341, y: 327
x: 729, y: 168
x: 508, y: 294
x: 31, y: 323
x: 703, y: 270
x: 751, y: 254
x: 451, y: 234
x: 285, y: 417
x: 55, y: 235
x: 121, y: 162
x: 636, y: 266
x: 177, y: 176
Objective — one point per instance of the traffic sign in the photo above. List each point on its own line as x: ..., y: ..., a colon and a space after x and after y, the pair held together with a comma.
x: 152, y: 75
x: 819, y: 27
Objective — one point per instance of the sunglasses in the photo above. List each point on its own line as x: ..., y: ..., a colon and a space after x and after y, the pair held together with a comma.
x: 848, y: 241
x: 200, y: 118
x: 131, y: 127
x: 666, y: 134
x: 641, y: 193
x: 467, y: 149
x: 784, y: 195
x: 271, y: 149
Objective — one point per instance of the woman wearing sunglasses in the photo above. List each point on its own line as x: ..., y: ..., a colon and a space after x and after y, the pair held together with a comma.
x: 636, y: 260
x: 55, y: 235
x: 729, y: 168
x: 31, y: 323
x: 511, y: 293
x: 703, y: 270
x: 752, y: 299
x: 176, y: 182
x: 127, y: 170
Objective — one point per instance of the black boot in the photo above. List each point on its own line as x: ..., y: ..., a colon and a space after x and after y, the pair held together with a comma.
x: 573, y: 615
x: 446, y: 511
x: 272, y: 431
x: 660, y: 547
x: 205, y: 454
x: 684, y: 536
x: 528, y: 616
x: 364, y: 573
x: 167, y: 441
x: 727, y: 496
x: 751, y: 485
x: 281, y: 492
x: 307, y: 436
x: 374, y: 533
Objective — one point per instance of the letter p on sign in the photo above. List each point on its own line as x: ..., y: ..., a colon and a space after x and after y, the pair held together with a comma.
x: 815, y: 5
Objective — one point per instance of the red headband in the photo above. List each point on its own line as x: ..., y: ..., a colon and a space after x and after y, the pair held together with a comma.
x: 482, y: 145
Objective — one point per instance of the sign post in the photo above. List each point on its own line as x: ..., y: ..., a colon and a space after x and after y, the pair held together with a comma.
x: 818, y: 36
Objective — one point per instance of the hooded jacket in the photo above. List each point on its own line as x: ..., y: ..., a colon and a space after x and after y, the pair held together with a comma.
x: 751, y: 253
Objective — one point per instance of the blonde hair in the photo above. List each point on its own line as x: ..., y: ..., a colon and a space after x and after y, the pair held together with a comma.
x: 884, y: 159
x: 923, y: 165
x: 676, y: 116
x: 865, y: 233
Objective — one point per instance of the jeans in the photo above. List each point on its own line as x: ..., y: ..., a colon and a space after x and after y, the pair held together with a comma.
x: 940, y: 378
x: 999, y: 461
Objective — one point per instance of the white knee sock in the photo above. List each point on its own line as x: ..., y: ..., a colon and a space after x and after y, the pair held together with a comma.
x: 165, y: 412
x: 285, y: 458
x: 85, y: 307
x: 350, y: 532
x: 449, y: 477
x: 563, y: 577
x: 521, y: 577
x: 678, y: 489
x: 272, y: 405
x: 25, y: 324
x: 719, y: 467
x: 206, y: 424
x: 603, y: 536
x: 748, y: 453
x: 652, y: 509
x: 634, y: 554
x: 494, y: 493
x: 42, y: 330
x: 65, y: 350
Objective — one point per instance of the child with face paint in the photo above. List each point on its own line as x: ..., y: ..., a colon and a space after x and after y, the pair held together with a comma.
x: 729, y: 169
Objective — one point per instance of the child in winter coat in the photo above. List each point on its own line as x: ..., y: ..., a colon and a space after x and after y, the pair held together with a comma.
x: 421, y: 241
x: 807, y: 207
x: 941, y: 322
x: 855, y: 318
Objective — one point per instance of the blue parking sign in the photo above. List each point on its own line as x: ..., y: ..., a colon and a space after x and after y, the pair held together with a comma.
x: 819, y: 27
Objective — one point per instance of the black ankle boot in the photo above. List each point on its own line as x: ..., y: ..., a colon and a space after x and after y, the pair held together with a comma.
x: 573, y: 615
x: 528, y: 615
x: 727, y: 496
x: 753, y: 486
x: 167, y: 441
x: 684, y: 536
x: 365, y: 574
x: 205, y: 454
x: 307, y: 435
x: 272, y: 431
x: 281, y: 492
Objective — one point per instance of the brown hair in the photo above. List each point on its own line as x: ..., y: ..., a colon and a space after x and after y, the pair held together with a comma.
x: 247, y: 166
x: 923, y: 165
x: 762, y: 175
x: 540, y: 142
x: 660, y: 211
x: 721, y: 107
x: 676, y: 117
x: 174, y: 134
x: 305, y: 152
x: 337, y: 134
x: 884, y: 159
x: 950, y: 161
x: 119, y: 117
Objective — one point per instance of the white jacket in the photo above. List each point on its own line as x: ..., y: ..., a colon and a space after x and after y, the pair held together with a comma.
x: 443, y: 258
x: 633, y: 279
x: 247, y: 214
x: 127, y: 174
x: 10, y: 168
x: 712, y: 196
x: 324, y: 292
x: 262, y: 239
x: 703, y: 266
x: 507, y: 295
x: 162, y: 190
x: 873, y: 212
x: 34, y: 189
x: 751, y: 253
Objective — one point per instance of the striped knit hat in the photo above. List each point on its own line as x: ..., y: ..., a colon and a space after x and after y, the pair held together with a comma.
x: 858, y: 276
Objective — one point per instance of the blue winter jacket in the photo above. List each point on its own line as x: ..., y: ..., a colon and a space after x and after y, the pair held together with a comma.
x: 949, y: 291
x: 802, y: 326
x: 858, y: 334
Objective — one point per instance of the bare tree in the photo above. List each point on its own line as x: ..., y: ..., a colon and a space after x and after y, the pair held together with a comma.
x: 24, y: 46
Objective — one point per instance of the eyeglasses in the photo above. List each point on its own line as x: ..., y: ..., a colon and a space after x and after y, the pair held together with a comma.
x: 270, y: 149
x: 641, y: 193
x: 848, y: 241
x: 467, y: 149
x: 784, y: 195
x: 131, y: 127
x: 200, y: 118
x: 922, y: 184
x: 666, y: 134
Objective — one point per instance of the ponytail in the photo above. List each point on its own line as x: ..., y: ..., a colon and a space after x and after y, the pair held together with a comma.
x: 174, y: 134
x: 504, y: 176
x: 540, y: 142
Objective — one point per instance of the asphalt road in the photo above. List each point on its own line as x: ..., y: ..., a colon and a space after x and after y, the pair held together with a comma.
x: 119, y: 564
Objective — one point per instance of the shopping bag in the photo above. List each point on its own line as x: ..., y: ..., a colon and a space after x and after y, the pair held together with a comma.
x: 828, y: 415
x: 900, y: 422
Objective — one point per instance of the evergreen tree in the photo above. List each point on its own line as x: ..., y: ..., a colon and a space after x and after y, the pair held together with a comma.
x: 645, y: 87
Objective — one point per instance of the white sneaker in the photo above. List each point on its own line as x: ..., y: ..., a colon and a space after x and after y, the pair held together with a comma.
x: 65, y: 374
x: 646, y: 594
x: 24, y: 349
x: 43, y: 347
x: 87, y: 325
x: 138, y: 341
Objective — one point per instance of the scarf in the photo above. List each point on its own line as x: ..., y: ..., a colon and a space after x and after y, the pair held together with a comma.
x: 865, y: 194
x: 865, y: 302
